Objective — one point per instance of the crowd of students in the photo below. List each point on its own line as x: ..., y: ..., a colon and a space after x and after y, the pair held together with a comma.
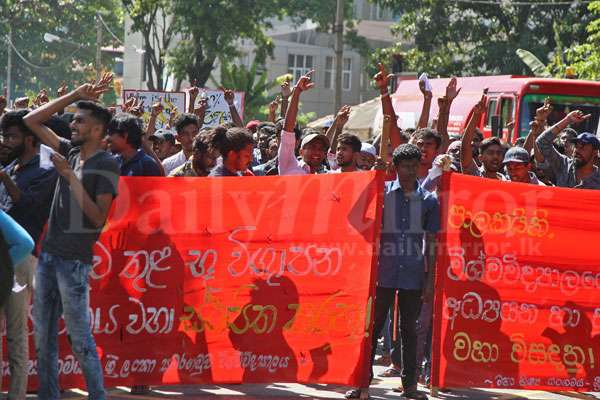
x: 61, y: 170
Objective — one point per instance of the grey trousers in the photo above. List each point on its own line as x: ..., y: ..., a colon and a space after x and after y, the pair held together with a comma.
x: 15, y: 312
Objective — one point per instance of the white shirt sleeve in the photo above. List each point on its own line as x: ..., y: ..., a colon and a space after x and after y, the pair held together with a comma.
x: 288, y: 164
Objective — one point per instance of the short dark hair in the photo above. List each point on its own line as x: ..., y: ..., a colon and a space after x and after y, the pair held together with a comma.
x: 184, y: 120
x: 60, y: 126
x: 124, y: 123
x: 569, y: 131
x: 297, y: 133
x: 97, y: 111
x: 232, y: 139
x: 428, y: 133
x: 350, y: 140
x: 406, y: 151
x: 201, y: 144
x: 478, y: 134
x: 15, y: 118
x: 491, y: 141
x: 520, y: 142
x: 268, y: 129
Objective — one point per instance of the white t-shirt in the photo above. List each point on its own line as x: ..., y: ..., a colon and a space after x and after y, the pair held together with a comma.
x: 175, y: 161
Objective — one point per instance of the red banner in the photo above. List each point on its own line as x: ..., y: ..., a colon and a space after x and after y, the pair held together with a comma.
x: 518, y: 287
x: 204, y: 280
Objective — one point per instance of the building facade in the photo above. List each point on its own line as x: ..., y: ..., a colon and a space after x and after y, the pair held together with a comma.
x: 297, y: 50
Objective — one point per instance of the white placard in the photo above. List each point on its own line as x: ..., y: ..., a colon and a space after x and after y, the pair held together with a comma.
x: 45, y: 154
x: 217, y: 112
x: 425, y: 79
x: 170, y: 100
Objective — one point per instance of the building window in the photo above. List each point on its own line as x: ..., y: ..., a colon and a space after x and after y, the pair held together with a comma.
x: 330, y: 73
x: 299, y: 65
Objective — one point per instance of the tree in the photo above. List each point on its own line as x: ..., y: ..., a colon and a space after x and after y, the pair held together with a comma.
x: 46, y: 65
x: 585, y: 58
x: 474, y: 38
x: 212, y: 31
x: 154, y: 21
x: 256, y: 87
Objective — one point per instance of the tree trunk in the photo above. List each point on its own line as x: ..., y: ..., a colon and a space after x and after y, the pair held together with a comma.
x: 202, y: 67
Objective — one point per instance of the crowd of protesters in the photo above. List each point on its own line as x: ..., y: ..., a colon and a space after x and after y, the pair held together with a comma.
x: 60, y: 174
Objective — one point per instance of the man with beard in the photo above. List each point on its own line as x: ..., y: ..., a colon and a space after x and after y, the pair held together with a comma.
x: 25, y: 194
x: 236, y: 146
x: 346, y: 155
x: 125, y: 139
x: 85, y: 191
x: 577, y: 172
x: 203, y: 160
x: 491, y: 150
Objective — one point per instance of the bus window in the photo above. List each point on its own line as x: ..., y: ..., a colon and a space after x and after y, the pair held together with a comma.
x: 491, y: 111
x: 507, y: 110
x: 562, y: 105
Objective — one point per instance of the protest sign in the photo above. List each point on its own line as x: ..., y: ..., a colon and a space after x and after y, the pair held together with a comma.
x: 217, y: 111
x: 208, y: 280
x: 170, y: 101
x: 518, y: 287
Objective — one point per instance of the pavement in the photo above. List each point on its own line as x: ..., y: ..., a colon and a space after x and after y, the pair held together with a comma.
x: 381, y: 389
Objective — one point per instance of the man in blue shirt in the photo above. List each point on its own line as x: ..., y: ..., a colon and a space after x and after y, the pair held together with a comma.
x: 125, y: 137
x: 411, y: 219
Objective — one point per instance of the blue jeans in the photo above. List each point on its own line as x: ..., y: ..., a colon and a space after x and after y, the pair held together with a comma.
x: 61, y: 286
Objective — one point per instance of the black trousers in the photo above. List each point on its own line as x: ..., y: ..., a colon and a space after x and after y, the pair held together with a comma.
x: 409, y: 306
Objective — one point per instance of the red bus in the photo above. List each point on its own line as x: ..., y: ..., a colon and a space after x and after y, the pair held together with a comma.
x: 510, y: 98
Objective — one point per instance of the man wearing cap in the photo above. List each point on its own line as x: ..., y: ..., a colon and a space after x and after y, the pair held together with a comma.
x: 163, y: 143
x: 313, y: 148
x: 577, y: 172
x: 518, y: 166
x: 367, y: 157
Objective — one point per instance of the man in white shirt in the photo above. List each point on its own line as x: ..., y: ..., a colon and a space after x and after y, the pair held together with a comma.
x: 187, y: 128
x: 313, y: 148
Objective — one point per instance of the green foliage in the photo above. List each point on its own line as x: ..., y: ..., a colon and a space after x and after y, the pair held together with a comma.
x: 469, y: 38
x: 204, y: 42
x: 304, y: 118
x: 72, y: 20
x: 152, y: 19
x: 585, y: 58
x: 212, y: 30
x: 256, y: 86
x: 535, y: 65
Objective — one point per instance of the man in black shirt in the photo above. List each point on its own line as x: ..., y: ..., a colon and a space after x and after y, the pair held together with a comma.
x: 85, y: 191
